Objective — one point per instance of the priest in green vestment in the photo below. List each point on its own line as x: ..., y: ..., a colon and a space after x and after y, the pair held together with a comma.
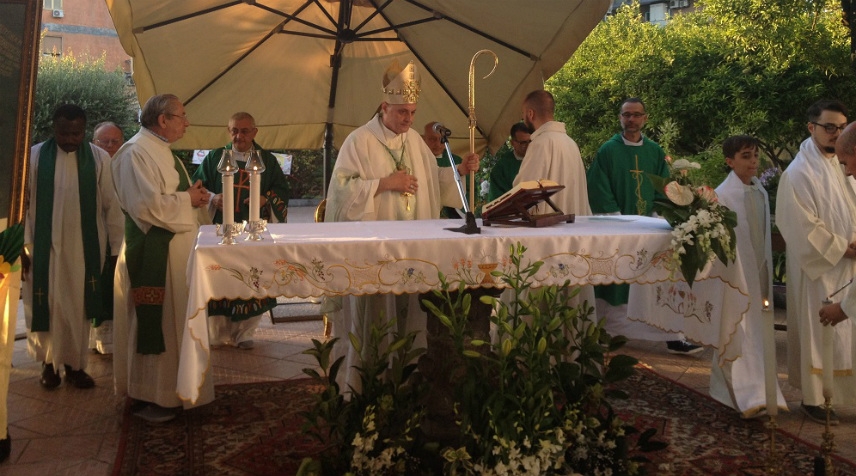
x: 508, y: 161
x: 432, y: 138
x: 235, y: 321
x: 163, y: 211
x: 618, y: 185
x: 72, y: 216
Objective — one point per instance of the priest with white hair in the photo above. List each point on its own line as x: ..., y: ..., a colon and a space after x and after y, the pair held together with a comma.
x: 385, y: 171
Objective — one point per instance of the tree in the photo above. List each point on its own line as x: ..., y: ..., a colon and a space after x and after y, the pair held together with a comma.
x: 733, y: 66
x: 104, y: 95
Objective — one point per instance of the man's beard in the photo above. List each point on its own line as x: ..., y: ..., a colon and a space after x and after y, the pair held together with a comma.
x: 829, y: 150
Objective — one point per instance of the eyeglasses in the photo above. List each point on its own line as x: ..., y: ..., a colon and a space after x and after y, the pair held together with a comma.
x: 522, y: 142
x: 108, y: 141
x: 235, y: 132
x: 183, y: 117
x: 830, y: 128
x: 635, y: 115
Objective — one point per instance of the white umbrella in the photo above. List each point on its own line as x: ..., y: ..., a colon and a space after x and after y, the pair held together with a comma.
x: 307, y: 69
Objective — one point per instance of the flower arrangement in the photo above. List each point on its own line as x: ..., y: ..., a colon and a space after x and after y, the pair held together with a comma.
x: 703, y: 229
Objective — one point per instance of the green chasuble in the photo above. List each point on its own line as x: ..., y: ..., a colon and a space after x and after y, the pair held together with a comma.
x: 274, y: 187
x: 443, y: 161
x: 617, y: 182
x: 87, y: 182
x: 147, y: 259
x: 503, y: 173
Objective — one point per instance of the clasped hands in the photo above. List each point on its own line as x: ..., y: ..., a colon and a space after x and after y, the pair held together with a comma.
x: 403, y: 182
x: 832, y: 314
x: 198, y: 195
x: 850, y: 252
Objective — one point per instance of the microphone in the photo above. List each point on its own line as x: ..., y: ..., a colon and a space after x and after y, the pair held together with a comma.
x: 441, y: 129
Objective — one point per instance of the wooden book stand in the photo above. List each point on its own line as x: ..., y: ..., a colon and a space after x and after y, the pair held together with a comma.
x: 512, y: 208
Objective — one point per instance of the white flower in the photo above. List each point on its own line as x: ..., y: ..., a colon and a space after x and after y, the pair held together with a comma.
x: 707, y: 193
x: 684, y: 164
x: 679, y: 194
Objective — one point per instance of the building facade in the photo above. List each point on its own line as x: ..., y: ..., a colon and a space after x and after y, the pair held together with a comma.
x: 82, y: 27
x: 658, y: 11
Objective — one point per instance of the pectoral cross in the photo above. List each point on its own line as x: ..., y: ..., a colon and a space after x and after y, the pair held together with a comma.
x: 93, y: 282
x: 641, y: 204
x: 406, y: 195
x: 39, y: 293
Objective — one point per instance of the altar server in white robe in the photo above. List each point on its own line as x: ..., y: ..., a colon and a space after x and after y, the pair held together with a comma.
x: 72, y: 216
x: 385, y: 171
x: 816, y: 211
x: 740, y: 384
x: 162, y: 219
x: 553, y: 155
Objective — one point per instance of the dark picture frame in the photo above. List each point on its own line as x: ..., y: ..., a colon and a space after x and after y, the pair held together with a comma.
x: 19, y: 42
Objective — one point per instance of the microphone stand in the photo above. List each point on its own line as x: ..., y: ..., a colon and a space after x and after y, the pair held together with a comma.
x: 470, y: 228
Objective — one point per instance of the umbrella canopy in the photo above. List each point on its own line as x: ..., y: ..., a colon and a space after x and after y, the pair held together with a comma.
x: 310, y: 68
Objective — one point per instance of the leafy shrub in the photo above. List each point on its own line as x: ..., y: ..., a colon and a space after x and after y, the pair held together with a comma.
x: 532, y: 402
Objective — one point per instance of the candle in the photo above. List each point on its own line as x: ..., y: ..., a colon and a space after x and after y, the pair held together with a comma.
x: 228, y: 199
x: 255, y: 166
x: 826, y: 360
x: 770, y: 374
x: 255, y: 195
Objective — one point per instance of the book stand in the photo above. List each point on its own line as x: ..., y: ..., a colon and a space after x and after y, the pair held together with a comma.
x: 514, y: 210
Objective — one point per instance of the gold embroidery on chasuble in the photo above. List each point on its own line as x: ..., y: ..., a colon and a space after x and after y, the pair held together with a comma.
x: 641, y: 204
x: 147, y: 295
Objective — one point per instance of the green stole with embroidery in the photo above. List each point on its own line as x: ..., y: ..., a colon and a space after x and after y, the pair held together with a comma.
x: 147, y: 257
x: 87, y: 184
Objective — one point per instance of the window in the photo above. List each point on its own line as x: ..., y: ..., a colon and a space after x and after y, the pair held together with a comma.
x: 52, y: 4
x: 52, y: 46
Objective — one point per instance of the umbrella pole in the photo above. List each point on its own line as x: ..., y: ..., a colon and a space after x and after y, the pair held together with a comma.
x: 472, y: 116
x: 328, y: 157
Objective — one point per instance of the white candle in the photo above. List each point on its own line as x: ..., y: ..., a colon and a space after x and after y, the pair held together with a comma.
x: 770, y: 374
x: 255, y: 195
x: 228, y: 199
x: 826, y: 360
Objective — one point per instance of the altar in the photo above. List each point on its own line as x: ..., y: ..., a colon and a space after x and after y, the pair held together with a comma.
x: 359, y: 258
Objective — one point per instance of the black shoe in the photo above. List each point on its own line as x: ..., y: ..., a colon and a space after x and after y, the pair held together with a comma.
x: 682, y: 347
x: 817, y: 414
x: 49, y: 379
x: 78, y: 378
x: 5, y: 446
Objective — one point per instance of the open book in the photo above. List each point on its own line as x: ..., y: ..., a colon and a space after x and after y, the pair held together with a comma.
x: 517, y: 191
x: 512, y: 207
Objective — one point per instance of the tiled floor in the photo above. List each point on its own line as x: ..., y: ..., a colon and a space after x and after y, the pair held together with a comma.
x: 76, y: 432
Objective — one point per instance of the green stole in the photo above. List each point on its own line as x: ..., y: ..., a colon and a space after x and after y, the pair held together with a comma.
x: 87, y: 184
x: 147, y: 257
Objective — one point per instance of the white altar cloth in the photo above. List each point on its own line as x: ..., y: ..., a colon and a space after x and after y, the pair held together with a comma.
x: 358, y: 258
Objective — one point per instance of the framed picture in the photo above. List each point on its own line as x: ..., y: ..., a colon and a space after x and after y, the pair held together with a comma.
x: 19, y: 42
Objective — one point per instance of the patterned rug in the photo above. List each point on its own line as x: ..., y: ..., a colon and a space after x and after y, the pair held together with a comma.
x: 254, y: 429
x: 250, y: 429
x: 705, y: 437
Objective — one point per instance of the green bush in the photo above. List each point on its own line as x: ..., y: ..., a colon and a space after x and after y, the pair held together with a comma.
x: 104, y: 95
x: 533, y: 402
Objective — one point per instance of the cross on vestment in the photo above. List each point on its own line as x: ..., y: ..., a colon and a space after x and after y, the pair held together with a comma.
x: 39, y: 293
x: 641, y: 204
x: 93, y: 282
x: 242, y: 183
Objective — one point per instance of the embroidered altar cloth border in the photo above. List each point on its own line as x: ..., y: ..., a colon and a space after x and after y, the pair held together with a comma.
x: 358, y: 258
